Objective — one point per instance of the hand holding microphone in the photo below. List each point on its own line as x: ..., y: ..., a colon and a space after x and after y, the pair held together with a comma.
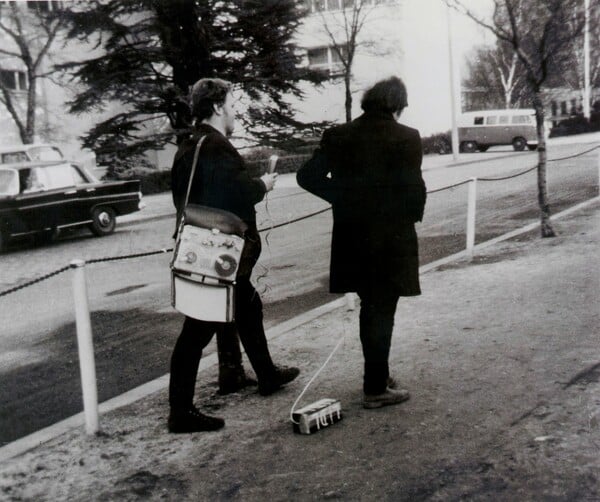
x: 270, y: 177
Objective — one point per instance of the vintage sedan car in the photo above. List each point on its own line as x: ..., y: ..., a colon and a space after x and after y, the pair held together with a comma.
x: 41, y: 198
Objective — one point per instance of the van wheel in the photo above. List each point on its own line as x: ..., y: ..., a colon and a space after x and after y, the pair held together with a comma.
x: 483, y: 148
x: 104, y: 221
x: 468, y: 146
x: 519, y: 144
x: 532, y: 147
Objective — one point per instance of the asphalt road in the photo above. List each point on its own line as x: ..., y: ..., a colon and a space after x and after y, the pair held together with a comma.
x: 133, y: 323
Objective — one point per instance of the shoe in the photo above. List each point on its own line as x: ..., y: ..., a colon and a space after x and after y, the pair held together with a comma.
x: 232, y: 386
x: 387, y: 398
x: 281, y: 376
x: 191, y: 420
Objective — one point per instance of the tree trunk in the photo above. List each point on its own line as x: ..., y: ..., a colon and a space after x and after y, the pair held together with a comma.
x: 28, y: 136
x: 546, y: 225
x: 348, y: 101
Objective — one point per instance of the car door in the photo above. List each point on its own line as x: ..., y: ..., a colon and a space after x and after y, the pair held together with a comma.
x: 37, y: 204
x: 83, y: 191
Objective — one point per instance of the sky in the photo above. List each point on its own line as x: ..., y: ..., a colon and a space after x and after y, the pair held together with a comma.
x: 427, y: 68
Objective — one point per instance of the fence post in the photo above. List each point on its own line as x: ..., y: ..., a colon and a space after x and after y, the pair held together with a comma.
x: 350, y: 301
x: 85, y: 345
x: 472, y: 200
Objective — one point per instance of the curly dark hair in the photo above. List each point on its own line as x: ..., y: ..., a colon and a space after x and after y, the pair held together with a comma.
x: 206, y: 94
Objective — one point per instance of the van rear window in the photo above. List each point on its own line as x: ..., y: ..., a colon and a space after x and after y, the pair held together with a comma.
x: 478, y: 121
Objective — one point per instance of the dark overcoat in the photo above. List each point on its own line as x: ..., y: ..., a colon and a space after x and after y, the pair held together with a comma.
x: 370, y: 172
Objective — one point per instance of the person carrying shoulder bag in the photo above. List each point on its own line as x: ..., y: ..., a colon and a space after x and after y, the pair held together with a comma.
x: 220, y: 181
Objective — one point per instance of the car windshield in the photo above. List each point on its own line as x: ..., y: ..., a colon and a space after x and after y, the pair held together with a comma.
x: 9, y: 182
x: 45, y: 153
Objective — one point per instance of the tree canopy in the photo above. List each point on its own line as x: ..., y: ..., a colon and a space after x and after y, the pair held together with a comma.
x: 147, y: 54
x: 29, y: 33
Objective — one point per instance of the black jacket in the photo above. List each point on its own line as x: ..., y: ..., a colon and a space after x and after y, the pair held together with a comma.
x: 221, y: 181
x: 370, y: 171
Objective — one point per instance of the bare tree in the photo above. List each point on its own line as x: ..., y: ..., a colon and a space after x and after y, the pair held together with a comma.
x: 498, y: 74
x: 573, y: 73
x: 343, y: 28
x: 28, y: 34
x: 541, y: 33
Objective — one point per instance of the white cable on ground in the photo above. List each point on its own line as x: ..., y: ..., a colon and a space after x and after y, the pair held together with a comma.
x: 315, y: 376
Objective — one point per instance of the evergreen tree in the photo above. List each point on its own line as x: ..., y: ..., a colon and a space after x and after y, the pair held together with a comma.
x: 152, y: 51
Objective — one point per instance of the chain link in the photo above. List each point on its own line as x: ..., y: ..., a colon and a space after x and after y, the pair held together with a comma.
x: 34, y: 281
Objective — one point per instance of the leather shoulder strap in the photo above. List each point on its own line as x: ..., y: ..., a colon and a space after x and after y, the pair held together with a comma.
x: 194, y: 164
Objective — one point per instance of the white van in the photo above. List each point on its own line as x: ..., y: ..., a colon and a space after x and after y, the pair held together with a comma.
x: 482, y: 129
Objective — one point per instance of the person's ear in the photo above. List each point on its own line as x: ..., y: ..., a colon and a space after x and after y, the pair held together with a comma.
x: 218, y: 109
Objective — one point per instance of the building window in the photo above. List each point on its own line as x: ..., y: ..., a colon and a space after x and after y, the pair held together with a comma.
x: 333, y: 5
x: 13, y: 80
x: 554, y: 108
x: 563, y: 108
x: 574, y: 106
x: 44, y: 5
x: 326, y: 58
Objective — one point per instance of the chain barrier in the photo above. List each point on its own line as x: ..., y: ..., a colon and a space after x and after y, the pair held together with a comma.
x: 448, y: 187
x: 574, y: 155
x: 579, y: 154
x: 271, y: 227
x: 129, y: 256
x: 34, y: 281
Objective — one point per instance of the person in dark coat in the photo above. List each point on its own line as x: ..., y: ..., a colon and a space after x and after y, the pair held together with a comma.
x: 220, y: 181
x: 370, y: 172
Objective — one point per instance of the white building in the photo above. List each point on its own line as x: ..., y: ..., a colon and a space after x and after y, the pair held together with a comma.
x: 406, y: 38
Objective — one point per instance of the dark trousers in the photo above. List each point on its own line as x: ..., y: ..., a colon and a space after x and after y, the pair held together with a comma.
x: 196, y: 335
x: 377, y: 310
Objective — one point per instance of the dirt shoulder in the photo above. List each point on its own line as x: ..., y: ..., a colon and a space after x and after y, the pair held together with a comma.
x: 502, y: 359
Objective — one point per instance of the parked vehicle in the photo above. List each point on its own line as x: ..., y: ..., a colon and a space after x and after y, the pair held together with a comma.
x: 41, y: 198
x: 482, y: 129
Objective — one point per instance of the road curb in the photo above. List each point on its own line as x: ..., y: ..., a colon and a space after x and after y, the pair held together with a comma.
x: 42, y: 436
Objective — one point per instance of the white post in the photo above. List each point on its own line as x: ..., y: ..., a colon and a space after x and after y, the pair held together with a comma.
x: 454, y: 87
x: 471, y: 217
x: 85, y: 345
x: 586, y: 62
x: 350, y: 301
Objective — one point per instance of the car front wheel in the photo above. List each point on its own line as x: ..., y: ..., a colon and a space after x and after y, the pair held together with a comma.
x: 103, y: 221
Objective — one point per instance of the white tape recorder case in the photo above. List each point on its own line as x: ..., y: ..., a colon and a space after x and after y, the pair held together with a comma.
x: 204, y: 271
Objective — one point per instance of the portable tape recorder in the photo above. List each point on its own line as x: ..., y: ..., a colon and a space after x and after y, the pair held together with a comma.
x: 209, y: 253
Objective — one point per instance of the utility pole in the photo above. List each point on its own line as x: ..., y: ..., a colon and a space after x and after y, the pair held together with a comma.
x: 586, y: 62
x: 454, y: 84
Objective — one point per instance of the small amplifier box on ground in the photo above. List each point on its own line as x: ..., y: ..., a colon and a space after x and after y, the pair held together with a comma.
x: 317, y: 415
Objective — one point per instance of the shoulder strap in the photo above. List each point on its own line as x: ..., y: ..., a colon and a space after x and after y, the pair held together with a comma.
x: 194, y: 164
